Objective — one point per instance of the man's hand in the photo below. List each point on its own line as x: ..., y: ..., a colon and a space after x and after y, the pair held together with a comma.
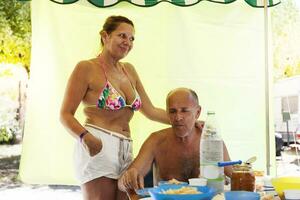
x: 131, y: 180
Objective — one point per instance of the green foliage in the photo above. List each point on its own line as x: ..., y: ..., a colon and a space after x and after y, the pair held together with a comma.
x: 286, y: 40
x: 6, y: 136
x: 8, y: 129
x: 9, y: 124
x: 15, y: 32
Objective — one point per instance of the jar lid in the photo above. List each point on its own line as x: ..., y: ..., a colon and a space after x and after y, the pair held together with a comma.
x: 242, y: 167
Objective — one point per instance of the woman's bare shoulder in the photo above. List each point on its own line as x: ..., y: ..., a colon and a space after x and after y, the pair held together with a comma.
x: 129, y: 67
x: 87, y: 65
x: 131, y: 70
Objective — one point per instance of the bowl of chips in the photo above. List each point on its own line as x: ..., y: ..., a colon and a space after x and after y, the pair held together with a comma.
x: 182, y: 192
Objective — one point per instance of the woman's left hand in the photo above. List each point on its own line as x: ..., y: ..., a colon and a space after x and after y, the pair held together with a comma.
x: 199, y: 124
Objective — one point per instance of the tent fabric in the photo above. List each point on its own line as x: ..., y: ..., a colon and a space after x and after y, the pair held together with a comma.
x: 147, y: 3
x: 214, y: 49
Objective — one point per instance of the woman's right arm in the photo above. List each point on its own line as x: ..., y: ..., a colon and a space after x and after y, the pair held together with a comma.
x: 75, y: 92
x: 77, y: 87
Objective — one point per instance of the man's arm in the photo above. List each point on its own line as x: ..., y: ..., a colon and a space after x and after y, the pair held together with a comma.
x: 133, y: 177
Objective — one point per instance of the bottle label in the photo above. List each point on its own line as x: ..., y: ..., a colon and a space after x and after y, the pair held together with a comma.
x: 211, y: 151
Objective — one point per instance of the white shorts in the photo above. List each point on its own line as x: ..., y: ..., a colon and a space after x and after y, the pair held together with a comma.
x: 114, y: 157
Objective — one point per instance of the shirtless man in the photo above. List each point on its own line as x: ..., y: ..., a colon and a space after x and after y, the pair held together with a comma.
x: 174, y: 150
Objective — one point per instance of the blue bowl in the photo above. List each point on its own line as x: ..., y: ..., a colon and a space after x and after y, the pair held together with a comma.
x: 162, y: 184
x: 207, y: 193
x: 241, y: 195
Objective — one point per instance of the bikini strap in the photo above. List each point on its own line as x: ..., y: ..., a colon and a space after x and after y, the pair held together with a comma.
x: 101, y: 63
x: 123, y: 68
x: 104, y: 73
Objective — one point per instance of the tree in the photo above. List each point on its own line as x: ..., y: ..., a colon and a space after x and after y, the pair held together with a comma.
x: 286, y: 40
x: 15, y: 32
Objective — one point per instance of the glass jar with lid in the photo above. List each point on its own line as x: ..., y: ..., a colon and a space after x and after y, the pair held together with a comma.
x: 242, y: 178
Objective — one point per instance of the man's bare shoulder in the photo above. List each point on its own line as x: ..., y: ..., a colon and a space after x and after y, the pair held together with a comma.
x: 160, y: 136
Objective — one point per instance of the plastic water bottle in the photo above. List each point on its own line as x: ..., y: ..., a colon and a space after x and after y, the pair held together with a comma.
x: 211, y: 152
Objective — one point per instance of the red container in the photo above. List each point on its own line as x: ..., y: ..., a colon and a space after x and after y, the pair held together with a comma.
x: 242, y: 178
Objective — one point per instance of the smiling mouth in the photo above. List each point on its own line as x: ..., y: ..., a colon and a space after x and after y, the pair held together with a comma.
x: 124, y: 48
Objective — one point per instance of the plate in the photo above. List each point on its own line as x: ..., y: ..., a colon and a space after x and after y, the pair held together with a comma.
x: 205, y: 193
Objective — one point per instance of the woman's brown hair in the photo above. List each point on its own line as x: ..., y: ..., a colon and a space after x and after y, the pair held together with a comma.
x: 112, y: 23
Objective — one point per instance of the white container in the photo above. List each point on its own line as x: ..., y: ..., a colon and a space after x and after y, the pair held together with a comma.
x: 197, y: 181
x: 211, y: 152
x: 291, y: 194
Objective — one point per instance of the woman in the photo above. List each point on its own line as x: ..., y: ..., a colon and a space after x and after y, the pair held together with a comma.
x: 111, y: 92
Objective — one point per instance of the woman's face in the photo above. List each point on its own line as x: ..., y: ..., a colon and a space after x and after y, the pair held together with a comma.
x: 120, y: 41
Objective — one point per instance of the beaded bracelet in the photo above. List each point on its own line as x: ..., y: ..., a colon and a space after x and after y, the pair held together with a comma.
x: 82, y: 135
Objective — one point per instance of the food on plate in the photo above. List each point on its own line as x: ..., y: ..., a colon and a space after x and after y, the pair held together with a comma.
x: 267, y: 197
x: 182, y: 190
x: 219, y: 197
x: 258, y: 173
x: 174, y: 181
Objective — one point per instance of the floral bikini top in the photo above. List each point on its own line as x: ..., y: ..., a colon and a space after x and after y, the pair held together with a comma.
x: 111, y: 99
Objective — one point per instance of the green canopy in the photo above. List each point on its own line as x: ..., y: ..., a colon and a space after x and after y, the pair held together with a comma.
x: 147, y: 3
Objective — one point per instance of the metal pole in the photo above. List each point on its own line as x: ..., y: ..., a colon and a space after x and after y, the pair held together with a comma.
x: 288, y: 133
x: 267, y: 112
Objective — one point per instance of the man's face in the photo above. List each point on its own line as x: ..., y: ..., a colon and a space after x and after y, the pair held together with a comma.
x: 183, y: 112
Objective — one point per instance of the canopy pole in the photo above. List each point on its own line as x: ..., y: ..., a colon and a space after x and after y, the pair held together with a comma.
x: 267, y: 77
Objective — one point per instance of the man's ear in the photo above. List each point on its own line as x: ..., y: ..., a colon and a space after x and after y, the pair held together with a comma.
x: 198, y: 112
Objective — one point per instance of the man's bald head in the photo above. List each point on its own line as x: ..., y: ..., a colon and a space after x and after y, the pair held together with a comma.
x: 183, y: 110
x: 189, y: 93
